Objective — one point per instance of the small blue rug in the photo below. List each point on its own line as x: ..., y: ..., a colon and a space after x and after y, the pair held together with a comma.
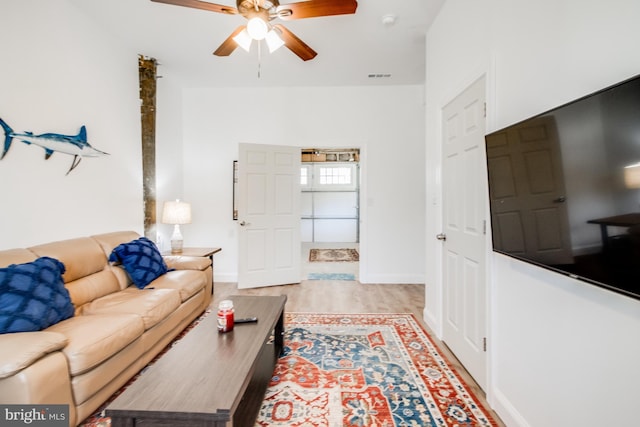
x: 331, y: 276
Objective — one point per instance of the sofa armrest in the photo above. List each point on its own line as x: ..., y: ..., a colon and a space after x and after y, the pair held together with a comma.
x: 179, y: 262
x: 26, y: 348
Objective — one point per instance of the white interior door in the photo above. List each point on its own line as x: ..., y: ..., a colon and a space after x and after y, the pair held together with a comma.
x: 464, y: 210
x: 268, y: 215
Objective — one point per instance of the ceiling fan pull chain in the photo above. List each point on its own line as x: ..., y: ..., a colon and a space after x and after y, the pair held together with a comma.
x: 259, y: 56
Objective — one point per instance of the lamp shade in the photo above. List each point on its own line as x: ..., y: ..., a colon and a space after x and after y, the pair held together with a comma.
x: 176, y: 212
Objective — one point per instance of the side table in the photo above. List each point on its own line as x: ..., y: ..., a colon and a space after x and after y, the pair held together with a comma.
x: 202, y: 252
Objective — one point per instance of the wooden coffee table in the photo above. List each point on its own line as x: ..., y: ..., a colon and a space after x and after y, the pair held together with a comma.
x: 209, y: 378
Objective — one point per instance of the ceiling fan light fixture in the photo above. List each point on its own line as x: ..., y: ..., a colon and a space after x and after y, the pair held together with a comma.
x: 257, y: 28
x: 243, y: 39
x: 274, y: 42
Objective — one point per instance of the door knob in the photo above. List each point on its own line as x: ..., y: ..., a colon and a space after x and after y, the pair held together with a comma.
x: 244, y: 223
x: 560, y: 199
x: 441, y: 236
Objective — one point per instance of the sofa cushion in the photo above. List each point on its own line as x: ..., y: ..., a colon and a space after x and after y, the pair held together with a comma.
x: 88, y: 275
x: 81, y: 256
x: 93, y: 286
x: 94, y: 339
x: 16, y: 256
x: 187, y: 282
x: 26, y: 349
x: 108, y: 241
x: 152, y: 305
x: 33, y: 296
x: 141, y: 259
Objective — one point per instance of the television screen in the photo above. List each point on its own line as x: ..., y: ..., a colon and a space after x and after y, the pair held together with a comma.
x: 564, y: 188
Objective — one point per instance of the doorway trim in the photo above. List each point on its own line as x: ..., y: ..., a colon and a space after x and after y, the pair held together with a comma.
x: 362, y: 201
x: 434, y: 318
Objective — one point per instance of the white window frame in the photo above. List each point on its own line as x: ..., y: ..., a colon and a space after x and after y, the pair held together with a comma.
x: 309, y: 183
x: 334, y: 187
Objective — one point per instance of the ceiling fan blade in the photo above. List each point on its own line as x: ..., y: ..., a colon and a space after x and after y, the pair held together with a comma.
x: 196, y: 4
x: 296, y: 45
x: 229, y: 45
x: 315, y: 8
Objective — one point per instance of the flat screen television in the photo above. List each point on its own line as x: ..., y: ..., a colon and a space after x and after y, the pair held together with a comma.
x: 564, y: 189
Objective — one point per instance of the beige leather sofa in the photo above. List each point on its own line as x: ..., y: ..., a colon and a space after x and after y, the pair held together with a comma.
x: 115, y: 331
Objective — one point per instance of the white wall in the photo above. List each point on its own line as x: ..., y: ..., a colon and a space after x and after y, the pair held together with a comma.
x: 561, y: 352
x: 57, y: 72
x: 387, y: 123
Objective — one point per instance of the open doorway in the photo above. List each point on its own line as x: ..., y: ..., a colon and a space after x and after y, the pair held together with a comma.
x: 330, y: 213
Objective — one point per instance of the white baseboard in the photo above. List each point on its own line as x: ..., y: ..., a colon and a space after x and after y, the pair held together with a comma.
x: 225, y: 278
x: 432, y: 323
x: 506, y: 411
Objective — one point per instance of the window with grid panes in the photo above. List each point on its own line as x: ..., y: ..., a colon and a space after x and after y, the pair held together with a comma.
x: 333, y: 175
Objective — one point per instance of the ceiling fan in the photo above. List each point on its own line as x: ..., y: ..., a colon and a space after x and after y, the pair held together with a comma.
x: 260, y: 13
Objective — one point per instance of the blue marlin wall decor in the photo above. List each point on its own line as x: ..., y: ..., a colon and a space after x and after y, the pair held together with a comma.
x: 75, y: 145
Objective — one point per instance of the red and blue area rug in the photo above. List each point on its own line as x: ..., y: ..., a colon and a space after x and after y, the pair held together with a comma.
x: 357, y: 370
x: 365, y: 370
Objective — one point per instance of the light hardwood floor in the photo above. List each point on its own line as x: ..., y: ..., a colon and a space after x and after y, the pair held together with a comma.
x: 319, y: 296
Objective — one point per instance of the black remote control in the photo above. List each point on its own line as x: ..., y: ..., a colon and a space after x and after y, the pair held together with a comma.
x: 246, y: 320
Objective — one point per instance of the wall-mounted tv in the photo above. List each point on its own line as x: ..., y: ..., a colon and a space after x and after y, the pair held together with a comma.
x: 564, y: 188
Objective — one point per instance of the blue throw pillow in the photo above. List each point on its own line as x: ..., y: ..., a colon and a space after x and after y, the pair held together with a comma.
x: 33, y: 296
x: 141, y: 259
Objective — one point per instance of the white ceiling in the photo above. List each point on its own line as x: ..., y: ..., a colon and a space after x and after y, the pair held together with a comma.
x: 350, y: 47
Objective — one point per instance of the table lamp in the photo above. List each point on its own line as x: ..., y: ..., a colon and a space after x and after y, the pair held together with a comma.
x: 176, y: 213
